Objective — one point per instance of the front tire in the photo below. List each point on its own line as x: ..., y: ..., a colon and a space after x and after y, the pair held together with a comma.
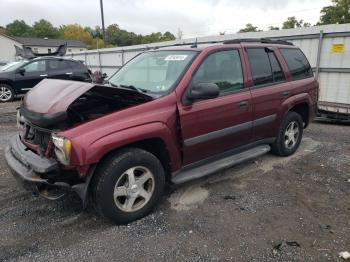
x: 128, y: 185
x: 7, y: 94
x: 289, y: 136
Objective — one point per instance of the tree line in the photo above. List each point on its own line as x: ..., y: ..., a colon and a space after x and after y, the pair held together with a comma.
x: 337, y: 13
x: 92, y: 37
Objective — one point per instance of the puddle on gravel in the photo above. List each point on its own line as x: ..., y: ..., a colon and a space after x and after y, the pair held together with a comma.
x: 188, y: 198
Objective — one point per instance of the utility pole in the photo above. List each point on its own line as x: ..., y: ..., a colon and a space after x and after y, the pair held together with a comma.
x: 103, y: 23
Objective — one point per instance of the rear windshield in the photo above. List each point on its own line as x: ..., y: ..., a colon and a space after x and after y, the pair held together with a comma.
x: 297, y: 63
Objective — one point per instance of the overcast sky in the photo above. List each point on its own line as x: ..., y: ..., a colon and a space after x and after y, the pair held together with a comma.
x: 194, y: 17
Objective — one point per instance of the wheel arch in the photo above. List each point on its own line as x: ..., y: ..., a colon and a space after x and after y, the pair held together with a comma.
x: 155, y: 146
x: 300, y: 104
x: 303, y: 110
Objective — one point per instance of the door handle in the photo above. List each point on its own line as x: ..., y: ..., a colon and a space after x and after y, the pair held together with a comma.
x: 285, y: 94
x: 43, y: 75
x: 243, y: 104
x: 70, y: 73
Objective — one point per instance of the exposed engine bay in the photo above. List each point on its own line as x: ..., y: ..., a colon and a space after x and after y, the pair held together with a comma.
x: 96, y: 101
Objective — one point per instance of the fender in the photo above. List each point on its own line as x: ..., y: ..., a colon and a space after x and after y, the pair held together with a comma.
x: 291, y: 102
x: 94, y: 152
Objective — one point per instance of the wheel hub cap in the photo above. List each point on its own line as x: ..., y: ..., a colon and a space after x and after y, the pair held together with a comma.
x: 5, y: 93
x: 291, y: 135
x: 134, y: 189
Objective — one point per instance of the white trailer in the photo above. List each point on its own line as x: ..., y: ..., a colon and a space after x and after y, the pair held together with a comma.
x: 327, y: 48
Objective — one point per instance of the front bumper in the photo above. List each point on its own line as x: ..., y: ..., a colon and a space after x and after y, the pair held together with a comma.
x: 29, y: 169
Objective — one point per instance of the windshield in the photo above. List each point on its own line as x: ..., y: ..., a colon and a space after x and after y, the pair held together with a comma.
x: 12, y: 66
x: 154, y: 72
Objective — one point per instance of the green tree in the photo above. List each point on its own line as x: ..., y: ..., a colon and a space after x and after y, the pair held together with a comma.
x: 249, y: 28
x: 113, y: 34
x: 167, y: 36
x: 18, y: 28
x: 292, y: 22
x: 274, y: 28
x: 44, y: 28
x: 337, y: 13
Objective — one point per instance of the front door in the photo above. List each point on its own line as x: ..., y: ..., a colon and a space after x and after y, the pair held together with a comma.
x: 216, y: 125
x: 30, y: 75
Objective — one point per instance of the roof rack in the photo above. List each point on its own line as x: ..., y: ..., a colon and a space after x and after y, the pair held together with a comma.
x: 191, y: 45
x: 258, y: 40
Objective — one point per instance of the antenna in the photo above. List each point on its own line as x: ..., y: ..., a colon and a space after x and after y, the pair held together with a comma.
x: 195, y: 45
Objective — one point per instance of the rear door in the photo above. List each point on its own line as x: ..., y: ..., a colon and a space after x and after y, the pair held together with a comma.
x: 216, y: 125
x: 79, y: 71
x: 269, y: 88
x: 59, y: 69
x: 29, y: 75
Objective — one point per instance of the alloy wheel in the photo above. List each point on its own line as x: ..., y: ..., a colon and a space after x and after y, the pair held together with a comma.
x: 291, y: 135
x: 5, y: 94
x: 134, y: 189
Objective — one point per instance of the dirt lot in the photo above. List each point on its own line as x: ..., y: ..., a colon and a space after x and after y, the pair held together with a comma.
x: 247, y: 213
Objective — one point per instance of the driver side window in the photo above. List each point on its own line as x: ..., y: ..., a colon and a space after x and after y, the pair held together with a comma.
x: 223, y: 69
x: 37, y: 66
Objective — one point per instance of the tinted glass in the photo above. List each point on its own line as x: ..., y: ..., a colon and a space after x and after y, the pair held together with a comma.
x: 55, y: 65
x: 74, y: 65
x: 277, y: 72
x: 260, y: 66
x: 37, y: 66
x: 297, y: 63
x: 222, y: 68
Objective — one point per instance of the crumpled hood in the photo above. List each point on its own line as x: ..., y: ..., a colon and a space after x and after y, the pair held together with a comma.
x: 53, y: 96
x: 47, y: 103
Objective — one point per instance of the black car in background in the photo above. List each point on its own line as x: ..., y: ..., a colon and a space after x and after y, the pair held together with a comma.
x: 19, y: 77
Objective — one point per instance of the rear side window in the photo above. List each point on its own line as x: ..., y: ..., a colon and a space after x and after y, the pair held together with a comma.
x: 297, y: 63
x: 264, y: 66
x: 75, y: 66
x: 58, y: 65
x: 222, y: 68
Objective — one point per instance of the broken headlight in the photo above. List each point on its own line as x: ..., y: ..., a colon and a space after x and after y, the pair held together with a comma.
x: 63, y: 147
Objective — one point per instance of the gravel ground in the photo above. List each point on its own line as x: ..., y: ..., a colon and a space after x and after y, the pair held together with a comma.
x: 269, y: 209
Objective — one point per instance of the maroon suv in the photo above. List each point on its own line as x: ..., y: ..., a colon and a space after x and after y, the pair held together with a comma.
x: 172, y: 114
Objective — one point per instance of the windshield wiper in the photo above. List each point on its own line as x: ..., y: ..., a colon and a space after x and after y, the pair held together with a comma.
x: 140, y: 90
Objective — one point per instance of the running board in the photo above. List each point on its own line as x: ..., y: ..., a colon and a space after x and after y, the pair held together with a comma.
x: 200, y: 171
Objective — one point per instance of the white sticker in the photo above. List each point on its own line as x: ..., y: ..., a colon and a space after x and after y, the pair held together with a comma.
x: 175, y: 57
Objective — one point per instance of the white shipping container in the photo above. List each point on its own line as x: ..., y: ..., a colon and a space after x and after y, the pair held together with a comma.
x: 326, y: 47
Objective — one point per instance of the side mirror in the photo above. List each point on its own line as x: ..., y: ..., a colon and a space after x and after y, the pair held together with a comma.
x: 21, y: 71
x: 104, y: 75
x: 203, y: 91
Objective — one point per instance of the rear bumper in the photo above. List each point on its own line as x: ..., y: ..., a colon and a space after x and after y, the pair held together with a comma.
x: 29, y: 169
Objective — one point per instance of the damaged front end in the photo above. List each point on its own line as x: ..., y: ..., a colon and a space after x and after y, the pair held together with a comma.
x: 38, y: 156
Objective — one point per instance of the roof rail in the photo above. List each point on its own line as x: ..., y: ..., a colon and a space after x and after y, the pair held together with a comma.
x: 258, y: 40
x: 192, y: 45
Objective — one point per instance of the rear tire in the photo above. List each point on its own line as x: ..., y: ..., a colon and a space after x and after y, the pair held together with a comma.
x: 7, y: 94
x: 289, y: 135
x: 128, y: 185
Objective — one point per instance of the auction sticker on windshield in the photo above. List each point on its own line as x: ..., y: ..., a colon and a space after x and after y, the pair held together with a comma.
x: 175, y: 57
